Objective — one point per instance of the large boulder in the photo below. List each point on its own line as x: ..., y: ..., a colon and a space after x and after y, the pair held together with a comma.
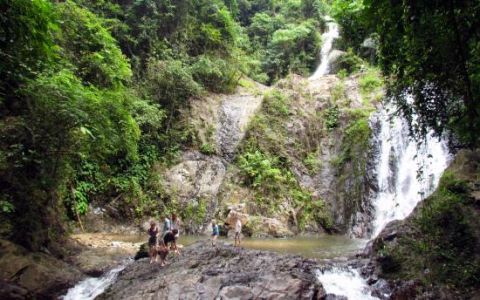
x: 202, y: 272
x: 27, y: 275
x: 196, y: 176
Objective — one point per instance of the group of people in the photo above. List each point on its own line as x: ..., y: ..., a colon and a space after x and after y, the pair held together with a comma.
x: 159, y: 248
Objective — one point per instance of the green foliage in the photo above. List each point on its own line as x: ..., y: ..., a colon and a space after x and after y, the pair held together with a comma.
x: 207, y: 149
x: 430, y: 49
x: 371, y: 81
x: 353, y: 22
x: 443, y: 239
x: 331, y: 117
x: 338, y: 93
x: 27, y: 46
x: 261, y: 170
x: 448, y: 236
x: 6, y: 206
x: 195, y: 212
x: 312, y: 162
x: 170, y: 84
x: 215, y: 74
x: 276, y: 104
x: 292, y: 49
x: 88, y: 45
x: 371, y: 86
x: 350, y: 62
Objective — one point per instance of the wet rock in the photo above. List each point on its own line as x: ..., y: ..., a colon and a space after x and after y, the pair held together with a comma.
x: 202, y: 272
x: 234, y: 114
x: 334, y: 58
x: 9, y: 291
x: 100, y: 252
x: 381, y: 289
x: 24, y: 273
x: 334, y: 297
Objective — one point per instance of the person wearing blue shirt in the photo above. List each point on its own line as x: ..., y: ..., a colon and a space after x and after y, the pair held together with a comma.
x: 215, y: 233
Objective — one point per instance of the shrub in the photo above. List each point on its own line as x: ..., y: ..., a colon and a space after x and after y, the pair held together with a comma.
x: 170, y: 84
x: 215, y: 74
x: 207, y: 149
x: 331, y: 117
x: 350, y: 62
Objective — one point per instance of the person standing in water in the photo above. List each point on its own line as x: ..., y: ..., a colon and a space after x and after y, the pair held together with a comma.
x: 215, y: 233
x: 152, y: 241
x: 238, y: 232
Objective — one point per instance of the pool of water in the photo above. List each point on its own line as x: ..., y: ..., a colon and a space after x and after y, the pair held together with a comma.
x: 324, y: 247
x: 321, y: 247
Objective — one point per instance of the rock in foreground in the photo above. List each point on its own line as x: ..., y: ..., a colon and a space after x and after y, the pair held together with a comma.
x: 228, y: 273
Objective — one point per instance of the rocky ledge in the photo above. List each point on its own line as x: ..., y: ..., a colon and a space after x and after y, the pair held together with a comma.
x: 201, y: 272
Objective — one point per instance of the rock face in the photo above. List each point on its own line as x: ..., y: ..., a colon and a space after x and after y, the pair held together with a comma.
x: 234, y: 114
x: 26, y: 275
x: 201, y: 272
x: 197, y: 176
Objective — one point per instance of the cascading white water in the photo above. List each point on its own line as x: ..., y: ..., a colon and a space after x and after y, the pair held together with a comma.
x: 328, y: 37
x: 90, y: 288
x: 407, y: 171
x: 346, y: 282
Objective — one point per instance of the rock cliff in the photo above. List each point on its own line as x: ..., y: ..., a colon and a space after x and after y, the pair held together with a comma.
x: 316, y: 130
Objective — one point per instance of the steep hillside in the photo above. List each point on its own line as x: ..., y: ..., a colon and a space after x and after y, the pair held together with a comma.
x: 294, y: 162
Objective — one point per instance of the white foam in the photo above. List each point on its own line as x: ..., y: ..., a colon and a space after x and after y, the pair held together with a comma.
x: 345, y: 282
x: 90, y: 288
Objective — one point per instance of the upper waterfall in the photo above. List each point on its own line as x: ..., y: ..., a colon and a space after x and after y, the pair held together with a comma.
x: 328, y: 37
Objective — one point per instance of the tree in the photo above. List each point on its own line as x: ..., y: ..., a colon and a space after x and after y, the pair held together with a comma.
x: 24, y: 52
x: 431, y: 50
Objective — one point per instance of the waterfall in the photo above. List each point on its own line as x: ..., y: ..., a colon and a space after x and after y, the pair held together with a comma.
x: 407, y: 171
x: 328, y: 37
x: 90, y: 288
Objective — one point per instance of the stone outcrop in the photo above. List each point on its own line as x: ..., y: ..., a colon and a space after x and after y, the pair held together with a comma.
x: 201, y: 272
x: 27, y: 275
x: 234, y: 115
x: 196, y: 176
